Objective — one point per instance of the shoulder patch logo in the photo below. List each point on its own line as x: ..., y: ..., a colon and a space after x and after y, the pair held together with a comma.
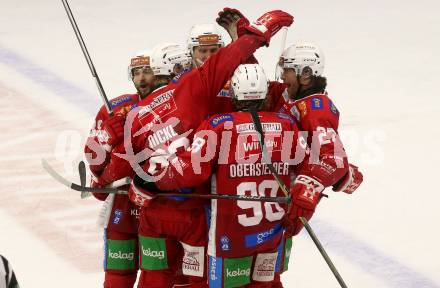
x: 285, y: 95
x: 220, y: 119
x: 225, y: 90
x: 295, y: 113
x: 302, y: 106
x: 333, y: 108
x: 316, y: 103
x: 286, y: 117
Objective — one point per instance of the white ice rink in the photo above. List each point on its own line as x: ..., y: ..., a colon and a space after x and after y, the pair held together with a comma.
x: 382, y: 63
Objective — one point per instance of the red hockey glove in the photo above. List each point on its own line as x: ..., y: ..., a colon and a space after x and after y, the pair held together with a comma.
x: 350, y: 182
x: 139, y: 196
x: 96, y: 182
x: 233, y: 21
x: 116, y: 170
x: 114, y: 126
x: 270, y: 23
x: 141, y: 193
x: 306, y: 192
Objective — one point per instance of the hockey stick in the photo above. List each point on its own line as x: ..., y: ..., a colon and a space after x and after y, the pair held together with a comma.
x: 82, y: 189
x: 77, y: 187
x: 82, y: 178
x: 283, y: 44
x: 323, y: 252
x: 87, y: 56
x: 259, y: 129
x: 265, y: 156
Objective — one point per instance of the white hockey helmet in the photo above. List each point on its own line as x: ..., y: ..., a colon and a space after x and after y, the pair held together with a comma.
x: 249, y: 82
x: 204, y: 34
x: 139, y: 59
x: 302, y: 55
x: 166, y: 56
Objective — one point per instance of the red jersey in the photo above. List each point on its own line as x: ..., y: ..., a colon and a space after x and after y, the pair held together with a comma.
x: 166, y: 119
x: 317, y: 115
x: 226, y: 148
x: 124, y: 214
x: 120, y: 105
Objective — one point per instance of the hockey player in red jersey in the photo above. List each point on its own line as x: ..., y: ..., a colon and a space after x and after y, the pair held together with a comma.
x: 302, y: 95
x: 244, y: 237
x: 118, y: 216
x: 172, y: 111
x: 203, y: 41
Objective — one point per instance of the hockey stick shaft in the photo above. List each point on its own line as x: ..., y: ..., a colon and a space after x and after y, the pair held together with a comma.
x: 87, y: 56
x: 228, y: 197
x: 265, y: 155
x: 83, y: 189
x: 282, y: 45
x: 323, y: 252
x: 82, y: 178
x: 283, y: 39
x: 283, y: 187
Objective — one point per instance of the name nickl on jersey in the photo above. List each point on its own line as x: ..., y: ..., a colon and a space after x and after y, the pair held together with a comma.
x: 161, y: 136
x: 257, y: 169
x: 156, y: 102
x: 267, y: 127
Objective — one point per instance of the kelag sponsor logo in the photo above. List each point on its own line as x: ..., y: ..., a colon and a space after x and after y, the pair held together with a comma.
x: 135, y: 212
x: 261, y: 237
x: 238, y: 272
x: 153, y: 253
x: 120, y: 255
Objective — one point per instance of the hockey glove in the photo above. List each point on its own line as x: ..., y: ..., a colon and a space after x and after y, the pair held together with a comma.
x: 141, y: 192
x: 114, y: 128
x: 233, y: 21
x: 269, y: 24
x: 97, y: 182
x: 306, y: 192
x: 350, y: 182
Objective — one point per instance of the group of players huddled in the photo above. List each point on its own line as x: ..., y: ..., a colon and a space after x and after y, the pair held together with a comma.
x: 191, y: 130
